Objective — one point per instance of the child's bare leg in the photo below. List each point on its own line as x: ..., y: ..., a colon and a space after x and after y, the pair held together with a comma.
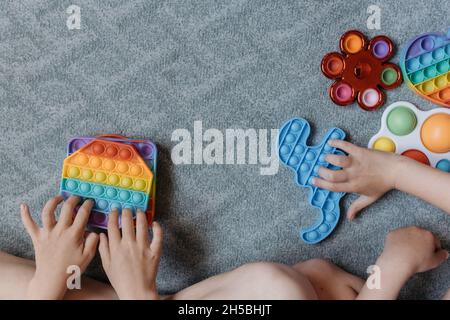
x: 259, y: 280
x: 16, y: 273
x: 329, y: 281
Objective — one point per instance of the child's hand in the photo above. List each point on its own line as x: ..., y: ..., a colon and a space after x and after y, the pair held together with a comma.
x: 131, y: 261
x: 406, y: 251
x: 413, y: 249
x: 370, y: 173
x: 58, y: 245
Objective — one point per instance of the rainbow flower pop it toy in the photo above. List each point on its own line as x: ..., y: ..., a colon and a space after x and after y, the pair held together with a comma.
x: 361, y: 70
x: 305, y: 162
x: 421, y: 135
x: 112, y: 170
x: 425, y: 63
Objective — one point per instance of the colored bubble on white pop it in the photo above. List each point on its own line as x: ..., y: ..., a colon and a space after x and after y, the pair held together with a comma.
x: 420, y: 135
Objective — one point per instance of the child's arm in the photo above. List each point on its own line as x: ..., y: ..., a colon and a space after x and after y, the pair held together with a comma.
x: 58, y: 245
x: 130, y: 260
x: 372, y: 173
x: 407, y: 251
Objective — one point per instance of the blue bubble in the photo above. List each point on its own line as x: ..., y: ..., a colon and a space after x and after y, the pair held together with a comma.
x: 444, y: 165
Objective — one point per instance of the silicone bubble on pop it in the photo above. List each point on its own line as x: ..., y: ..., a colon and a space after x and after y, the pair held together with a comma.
x: 425, y: 64
x: 435, y: 133
x: 361, y: 70
x: 421, y: 135
x: 113, y: 171
x: 305, y: 161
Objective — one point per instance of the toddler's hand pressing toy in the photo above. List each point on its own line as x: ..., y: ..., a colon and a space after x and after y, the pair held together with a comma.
x: 58, y: 245
x: 372, y: 173
x: 130, y: 260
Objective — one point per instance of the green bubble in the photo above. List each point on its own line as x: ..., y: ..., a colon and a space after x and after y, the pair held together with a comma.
x: 389, y: 76
x: 401, y: 121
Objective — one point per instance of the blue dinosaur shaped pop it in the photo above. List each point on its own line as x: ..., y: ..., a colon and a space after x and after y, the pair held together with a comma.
x: 305, y: 161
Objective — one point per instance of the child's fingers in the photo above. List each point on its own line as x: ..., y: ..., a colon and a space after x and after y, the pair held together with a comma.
x: 157, y: 241
x: 31, y: 226
x: 332, y: 175
x: 103, y: 249
x: 343, y: 145
x: 90, y: 245
x: 142, y: 229
x: 339, y: 161
x: 67, y: 211
x: 48, y: 212
x: 128, y: 232
x: 82, y: 217
x: 332, y: 186
x: 359, y: 204
x: 113, y: 227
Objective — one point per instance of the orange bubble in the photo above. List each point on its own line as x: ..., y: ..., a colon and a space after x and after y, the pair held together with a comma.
x: 96, y: 162
x: 98, y: 148
x: 111, y: 151
x: 125, y: 154
x: 444, y: 95
x: 353, y: 43
x: 82, y: 159
x: 435, y: 133
x: 122, y: 167
x: 109, y: 164
x: 135, y: 170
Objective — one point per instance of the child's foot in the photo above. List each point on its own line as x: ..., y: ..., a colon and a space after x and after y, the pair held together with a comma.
x: 330, y: 281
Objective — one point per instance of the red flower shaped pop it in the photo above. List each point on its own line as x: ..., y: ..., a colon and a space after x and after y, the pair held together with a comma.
x: 361, y: 70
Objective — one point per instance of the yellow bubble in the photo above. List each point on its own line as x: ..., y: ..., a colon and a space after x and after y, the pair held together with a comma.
x: 87, y: 174
x: 100, y: 176
x: 109, y: 164
x: 428, y: 87
x: 73, y: 172
x: 96, y: 162
x: 140, y: 184
x: 384, y: 144
x: 127, y: 182
x: 113, y: 179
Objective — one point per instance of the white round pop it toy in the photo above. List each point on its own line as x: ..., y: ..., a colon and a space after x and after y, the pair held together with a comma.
x: 420, y: 135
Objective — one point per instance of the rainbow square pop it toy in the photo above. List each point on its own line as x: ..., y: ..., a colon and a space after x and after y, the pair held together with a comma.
x: 421, y: 135
x: 425, y: 63
x: 361, y: 70
x: 305, y: 161
x: 114, y: 171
